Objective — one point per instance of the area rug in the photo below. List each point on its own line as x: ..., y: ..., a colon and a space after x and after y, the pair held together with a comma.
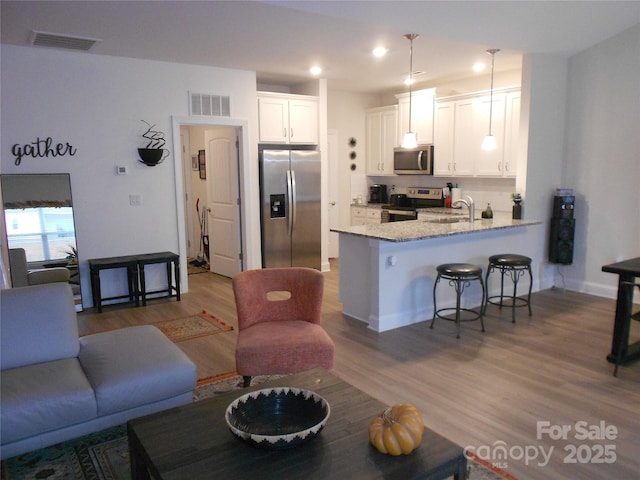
x: 193, y: 326
x: 105, y: 455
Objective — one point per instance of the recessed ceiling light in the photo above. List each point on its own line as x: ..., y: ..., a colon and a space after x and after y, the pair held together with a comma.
x: 315, y: 70
x: 479, y: 67
x: 379, y: 52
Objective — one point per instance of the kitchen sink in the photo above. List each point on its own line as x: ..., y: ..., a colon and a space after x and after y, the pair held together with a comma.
x: 456, y: 219
x: 448, y: 220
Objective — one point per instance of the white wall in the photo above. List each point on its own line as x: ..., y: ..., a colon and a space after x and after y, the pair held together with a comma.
x: 345, y: 114
x: 602, y: 161
x: 96, y: 103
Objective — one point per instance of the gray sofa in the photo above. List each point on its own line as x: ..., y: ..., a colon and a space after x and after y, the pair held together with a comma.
x: 55, y: 386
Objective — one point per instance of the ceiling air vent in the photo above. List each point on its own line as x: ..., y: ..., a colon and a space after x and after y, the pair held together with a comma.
x: 58, y: 40
x: 209, y: 105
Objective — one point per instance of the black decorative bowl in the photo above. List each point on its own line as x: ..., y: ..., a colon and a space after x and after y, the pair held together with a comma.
x: 277, y: 418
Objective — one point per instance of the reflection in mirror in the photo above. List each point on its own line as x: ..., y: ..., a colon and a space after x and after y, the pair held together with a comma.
x: 38, y: 215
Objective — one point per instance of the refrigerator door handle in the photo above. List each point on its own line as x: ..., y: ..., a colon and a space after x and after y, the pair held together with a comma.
x: 294, y: 196
x: 290, y: 203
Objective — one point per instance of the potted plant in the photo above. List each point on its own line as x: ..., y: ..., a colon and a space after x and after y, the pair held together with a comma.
x: 153, y: 153
x: 516, y: 210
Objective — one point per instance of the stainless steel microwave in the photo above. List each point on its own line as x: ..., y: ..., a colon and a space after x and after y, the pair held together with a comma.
x: 413, y: 161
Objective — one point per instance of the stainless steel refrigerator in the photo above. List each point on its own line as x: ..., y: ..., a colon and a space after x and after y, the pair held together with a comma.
x: 290, y: 208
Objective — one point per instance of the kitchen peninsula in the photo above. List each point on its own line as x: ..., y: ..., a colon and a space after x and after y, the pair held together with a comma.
x: 387, y: 270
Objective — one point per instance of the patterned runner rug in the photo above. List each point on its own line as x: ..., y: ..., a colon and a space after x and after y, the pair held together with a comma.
x: 193, y: 326
x: 105, y: 455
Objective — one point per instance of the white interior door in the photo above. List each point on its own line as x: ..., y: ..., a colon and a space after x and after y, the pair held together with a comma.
x: 333, y: 208
x: 223, y: 201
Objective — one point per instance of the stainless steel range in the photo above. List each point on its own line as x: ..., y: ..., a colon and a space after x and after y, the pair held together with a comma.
x: 404, y: 207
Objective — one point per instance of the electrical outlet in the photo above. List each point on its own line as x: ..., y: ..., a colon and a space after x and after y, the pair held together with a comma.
x: 135, y: 199
x: 121, y: 170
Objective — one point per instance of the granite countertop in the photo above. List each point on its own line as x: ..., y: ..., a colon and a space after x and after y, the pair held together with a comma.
x: 426, y: 228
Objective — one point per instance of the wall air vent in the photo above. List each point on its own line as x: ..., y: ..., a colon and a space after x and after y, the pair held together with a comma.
x: 209, y: 105
x: 59, y: 40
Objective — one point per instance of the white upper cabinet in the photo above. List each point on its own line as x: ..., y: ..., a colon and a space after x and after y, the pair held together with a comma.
x: 422, y: 108
x: 290, y: 119
x: 381, y: 136
x: 490, y: 162
x: 461, y: 125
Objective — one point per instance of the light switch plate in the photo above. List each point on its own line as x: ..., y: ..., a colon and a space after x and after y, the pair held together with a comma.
x: 135, y: 199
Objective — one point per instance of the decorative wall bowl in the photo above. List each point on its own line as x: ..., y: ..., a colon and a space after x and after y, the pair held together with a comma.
x: 152, y: 156
x: 277, y: 418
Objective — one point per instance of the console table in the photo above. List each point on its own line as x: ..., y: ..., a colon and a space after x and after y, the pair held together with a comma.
x: 193, y: 441
x: 136, y: 281
x: 621, y: 351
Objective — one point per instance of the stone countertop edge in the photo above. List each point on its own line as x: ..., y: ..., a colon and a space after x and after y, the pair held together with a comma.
x: 420, y: 229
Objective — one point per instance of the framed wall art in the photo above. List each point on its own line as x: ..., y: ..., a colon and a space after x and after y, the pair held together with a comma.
x: 202, y: 165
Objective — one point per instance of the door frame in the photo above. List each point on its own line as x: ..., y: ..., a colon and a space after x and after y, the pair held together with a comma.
x: 243, y: 150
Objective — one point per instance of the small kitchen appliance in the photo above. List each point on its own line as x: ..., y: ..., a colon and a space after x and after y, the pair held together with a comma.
x: 413, y: 161
x: 378, y: 194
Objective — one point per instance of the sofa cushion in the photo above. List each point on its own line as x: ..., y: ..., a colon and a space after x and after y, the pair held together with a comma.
x: 44, y: 397
x: 133, y: 366
x: 39, y: 324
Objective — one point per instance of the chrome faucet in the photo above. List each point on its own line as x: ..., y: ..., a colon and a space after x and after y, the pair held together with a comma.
x: 470, y: 205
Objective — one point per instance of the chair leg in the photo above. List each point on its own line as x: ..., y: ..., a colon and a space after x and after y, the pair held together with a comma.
x: 247, y: 381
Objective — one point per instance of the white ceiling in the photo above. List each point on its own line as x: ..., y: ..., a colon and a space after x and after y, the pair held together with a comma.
x: 280, y: 40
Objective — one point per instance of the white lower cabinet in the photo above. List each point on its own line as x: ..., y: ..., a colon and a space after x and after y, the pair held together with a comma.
x: 362, y: 215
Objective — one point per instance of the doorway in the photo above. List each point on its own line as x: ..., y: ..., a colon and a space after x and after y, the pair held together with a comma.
x: 210, y: 228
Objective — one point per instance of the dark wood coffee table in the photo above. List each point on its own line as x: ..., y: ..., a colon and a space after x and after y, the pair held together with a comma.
x: 192, y: 442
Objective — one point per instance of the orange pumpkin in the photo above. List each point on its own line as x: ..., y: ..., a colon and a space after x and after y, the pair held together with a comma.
x: 397, y: 430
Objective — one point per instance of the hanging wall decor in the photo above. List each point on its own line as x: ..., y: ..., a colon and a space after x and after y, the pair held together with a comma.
x: 42, y: 148
x: 153, y: 153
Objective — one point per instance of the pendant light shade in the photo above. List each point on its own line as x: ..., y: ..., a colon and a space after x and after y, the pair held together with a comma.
x: 489, y: 142
x: 410, y: 139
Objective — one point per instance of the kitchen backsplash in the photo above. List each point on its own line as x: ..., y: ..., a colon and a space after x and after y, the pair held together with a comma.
x: 496, y: 191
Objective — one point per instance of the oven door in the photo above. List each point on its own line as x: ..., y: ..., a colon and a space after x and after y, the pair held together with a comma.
x: 392, y: 215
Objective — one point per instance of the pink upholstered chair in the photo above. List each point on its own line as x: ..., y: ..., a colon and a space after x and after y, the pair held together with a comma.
x: 279, y: 313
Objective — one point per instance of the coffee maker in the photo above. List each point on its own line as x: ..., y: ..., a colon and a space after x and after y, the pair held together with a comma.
x: 378, y: 194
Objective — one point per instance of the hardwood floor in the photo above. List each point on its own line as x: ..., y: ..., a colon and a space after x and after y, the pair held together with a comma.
x: 481, y: 390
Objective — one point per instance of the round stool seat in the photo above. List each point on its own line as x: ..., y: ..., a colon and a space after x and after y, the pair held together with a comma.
x: 459, y: 270
x: 510, y: 259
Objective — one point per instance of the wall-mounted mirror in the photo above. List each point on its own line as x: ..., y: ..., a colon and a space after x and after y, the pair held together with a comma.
x: 38, y: 216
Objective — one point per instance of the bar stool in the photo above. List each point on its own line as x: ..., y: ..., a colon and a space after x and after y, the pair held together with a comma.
x: 460, y: 275
x: 515, y: 265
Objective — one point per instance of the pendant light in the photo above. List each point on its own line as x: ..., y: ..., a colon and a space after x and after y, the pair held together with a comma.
x: 410, y: 139
x: 489, y: 142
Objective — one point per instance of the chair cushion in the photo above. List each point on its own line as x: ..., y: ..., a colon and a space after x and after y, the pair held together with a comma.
x: 510, y: 259
x: 133, y: 366
x: 283, y: 347
x: 44, y: 397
